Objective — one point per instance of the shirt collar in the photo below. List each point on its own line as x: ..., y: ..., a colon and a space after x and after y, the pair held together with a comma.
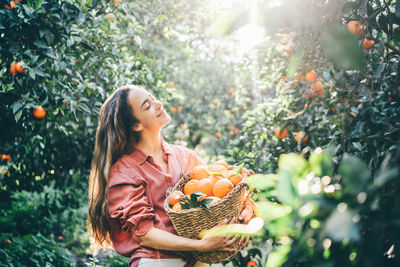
x: 140, y: 157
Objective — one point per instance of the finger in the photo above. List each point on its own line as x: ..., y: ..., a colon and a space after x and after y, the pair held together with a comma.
x: 224, y: 221
x: 228, y: 249
x: 246, y: 241
x: 231, y: 241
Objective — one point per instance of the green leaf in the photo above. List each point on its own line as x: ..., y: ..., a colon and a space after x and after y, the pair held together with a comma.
x: 340, y: 226
x: 385, y: 176
x: 38, y: 3
x: 342, y: 48
x: 32, y: 74
x: 287, y: 193
x: 270, y: 211
x: 17, y: 116
x: 253, y: 228
x: 262, y: 181
x: 321, y: 163
x: 278, y: 257
x: 397, y: 9
x: 16, y: 106
x: 355, y: 174
x: 237, y: 170
x: 293, y: 163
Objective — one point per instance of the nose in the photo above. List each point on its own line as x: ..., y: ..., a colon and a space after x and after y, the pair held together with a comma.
x: 159, y: 105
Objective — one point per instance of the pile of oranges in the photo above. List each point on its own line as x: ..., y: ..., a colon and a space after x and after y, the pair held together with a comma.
x: 213, y: 182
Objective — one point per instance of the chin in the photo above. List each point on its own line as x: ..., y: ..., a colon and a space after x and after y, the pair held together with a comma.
x: 167, y: 119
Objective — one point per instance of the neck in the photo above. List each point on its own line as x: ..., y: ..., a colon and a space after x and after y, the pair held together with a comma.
x: 150, y: 143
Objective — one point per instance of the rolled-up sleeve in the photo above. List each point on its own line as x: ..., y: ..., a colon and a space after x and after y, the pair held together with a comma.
x: 127, y: 202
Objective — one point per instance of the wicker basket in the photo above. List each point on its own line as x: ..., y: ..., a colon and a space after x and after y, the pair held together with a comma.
x: 189, y: 223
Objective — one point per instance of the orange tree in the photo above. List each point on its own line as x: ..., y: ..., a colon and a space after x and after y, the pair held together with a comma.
x: 338, y: 86
x: 349, y: 97
x: 59, y: 61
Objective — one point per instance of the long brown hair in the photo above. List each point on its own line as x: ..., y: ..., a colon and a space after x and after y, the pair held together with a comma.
x: 114, y: 138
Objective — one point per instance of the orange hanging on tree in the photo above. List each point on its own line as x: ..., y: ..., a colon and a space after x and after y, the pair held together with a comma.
x: 19, y: 68
x: 281, y: 134
x: 356, y: 28
x: 39, y: 112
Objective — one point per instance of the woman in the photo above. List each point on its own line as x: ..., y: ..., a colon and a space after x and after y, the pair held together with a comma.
x: 131, y: 170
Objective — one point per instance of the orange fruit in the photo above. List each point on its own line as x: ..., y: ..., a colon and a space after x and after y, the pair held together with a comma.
x: 300, y: 135
x: 11, y: 6
x: 289, y: 51
x: 389, y: 100
x: 355, y: 27
x: 175, y: 197
x: 13, y: 70
x: 205, y: 186
x: 247, y: 213
x: 214, y: 178
x: 216, y: 101
x: 280, y: 134
x: 217, y: 134
x: 199, y: 172
x: 177, y: 207
x: 110, y: 16
x: 231, y: 91
x: 178, y: 108
x: 253, y: 205
x: 309, y: 96
x: 219, y: 169
x: 311, y: 76
x: 39, y: 112
x: 368, y: 44
x: 222, y: 188
x: 236, y: 179
x: 190, y: 187
x: 251, y: 263
x: 171, y: 84
x: 318, y: 88
x: 173, y: 109
x: 19, y: 68
x: 117, y: 2
x: 299, y: 76
x: 222, y: 163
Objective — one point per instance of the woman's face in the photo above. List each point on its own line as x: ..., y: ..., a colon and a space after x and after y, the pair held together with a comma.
x: 148, y: 110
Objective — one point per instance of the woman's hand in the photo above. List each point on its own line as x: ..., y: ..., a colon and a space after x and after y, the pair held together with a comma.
x: 221, y: 243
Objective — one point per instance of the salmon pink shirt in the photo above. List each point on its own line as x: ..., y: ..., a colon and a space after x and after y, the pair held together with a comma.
x: 135, y: 199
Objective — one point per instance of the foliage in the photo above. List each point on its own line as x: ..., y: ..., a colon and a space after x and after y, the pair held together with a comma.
x: 33, y: 250
x: 49, y: 212
x: 116, y: 260
x: 223, y: 102
x: 318, y: 216
x: 71, y: 66
x: 253, y: 254
x: 357, y: 109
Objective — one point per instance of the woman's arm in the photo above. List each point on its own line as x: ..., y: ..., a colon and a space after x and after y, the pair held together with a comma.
x: 160, y: 239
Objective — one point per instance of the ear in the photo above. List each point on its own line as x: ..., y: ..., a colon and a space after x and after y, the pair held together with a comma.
x: 137, y: 127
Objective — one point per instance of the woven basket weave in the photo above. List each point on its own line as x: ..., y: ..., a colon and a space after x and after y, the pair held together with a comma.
x: 190, y: 222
